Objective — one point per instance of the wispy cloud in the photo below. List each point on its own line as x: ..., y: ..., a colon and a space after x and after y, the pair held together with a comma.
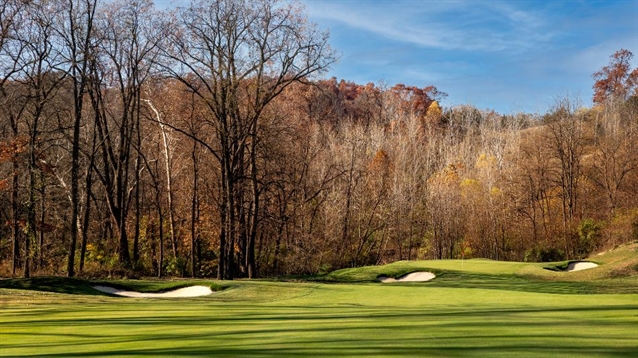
x: 453, y: 25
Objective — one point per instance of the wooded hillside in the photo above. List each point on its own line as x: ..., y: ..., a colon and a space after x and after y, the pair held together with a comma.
x: 204, y: 142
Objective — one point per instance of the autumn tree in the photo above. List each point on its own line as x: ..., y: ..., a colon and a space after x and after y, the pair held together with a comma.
x: 565, y: 137
x: 533, y: 185
x: 612, y: 165
x: 446, y: 217
x: 414, y: 162
x: 12, y: 20
x: 74, y: 27
x: 237, y: 57
x: 617, y: 79
x: 131, y: 37
x: 403, y: 102
x: 35, y: 85
x: 615, y: 157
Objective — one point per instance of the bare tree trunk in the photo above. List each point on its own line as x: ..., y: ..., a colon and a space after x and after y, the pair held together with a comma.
x: 30, y: 234
x: 160, y: 215
x: 79, y: 48
x: 138, y: 171
x: 87, y: 213
x: 168, y: 172
x: 15, y: 229
x: 31, y: 221
x: 40, y: 249
x: 232, y: 227
x: 254, y: 213
x: 136, y: 234
x: 194, y: 210
x: 345, y: 239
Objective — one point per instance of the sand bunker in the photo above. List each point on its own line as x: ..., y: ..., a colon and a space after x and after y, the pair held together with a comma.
x: 411, y: 277
x: 193, y: 291
x: 579, y: 266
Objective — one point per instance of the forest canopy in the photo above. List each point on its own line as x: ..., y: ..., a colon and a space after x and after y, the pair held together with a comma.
x: 204, y: 141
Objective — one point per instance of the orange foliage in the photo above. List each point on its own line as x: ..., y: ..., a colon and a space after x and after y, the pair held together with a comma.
x: 616, y: 79
x: 9, y: 149
x: 380, y: 162
x: 416, y: 100
x: 4, y: 184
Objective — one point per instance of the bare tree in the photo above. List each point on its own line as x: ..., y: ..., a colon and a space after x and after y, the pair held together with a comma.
x: 237, y: 56
x: 12, y: 19
x: 131, y: 35
x: 35, y: 84
x: 75, y: 29
x: 616, y: 153
x: 566, y: 138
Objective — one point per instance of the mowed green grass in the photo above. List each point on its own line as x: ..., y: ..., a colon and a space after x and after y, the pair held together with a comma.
x: 473, y: 308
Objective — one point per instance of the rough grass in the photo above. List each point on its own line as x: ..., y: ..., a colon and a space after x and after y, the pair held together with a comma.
x: 473, y: 308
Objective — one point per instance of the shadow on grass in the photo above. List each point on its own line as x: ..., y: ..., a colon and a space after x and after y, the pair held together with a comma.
x: 254, y: 313
x: 364, y: 349
x: 52, y: 284
x: 514, y: 283
x: 254, y: 331
x: 78, y: 286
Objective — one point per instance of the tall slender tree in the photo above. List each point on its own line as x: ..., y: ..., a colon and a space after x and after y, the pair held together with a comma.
x: 131, y: 33
x: 75, y: 28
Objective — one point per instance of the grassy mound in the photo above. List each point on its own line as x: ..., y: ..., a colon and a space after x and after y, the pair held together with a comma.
x: 617, y: 273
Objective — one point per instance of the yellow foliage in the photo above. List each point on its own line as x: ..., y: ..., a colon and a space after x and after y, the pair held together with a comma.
x: 433, y: 114
x: 485, y: 161
x: 470, y: 188
x: 449, y: 175
x: 466, y: 183
x: 434, y: 110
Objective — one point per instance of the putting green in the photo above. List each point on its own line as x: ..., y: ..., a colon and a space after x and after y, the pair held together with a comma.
x: 490, y: 310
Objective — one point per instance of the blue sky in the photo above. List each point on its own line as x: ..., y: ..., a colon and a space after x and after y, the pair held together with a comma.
x: 510, y: 56
x: 505, y: 55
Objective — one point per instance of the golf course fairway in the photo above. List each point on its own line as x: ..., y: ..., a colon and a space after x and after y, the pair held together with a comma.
x: 472, y: 308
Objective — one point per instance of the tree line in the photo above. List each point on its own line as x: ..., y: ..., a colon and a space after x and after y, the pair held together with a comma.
x: 203, y: 142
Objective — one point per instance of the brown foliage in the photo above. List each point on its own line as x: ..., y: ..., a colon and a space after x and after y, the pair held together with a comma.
x: 616, y: 79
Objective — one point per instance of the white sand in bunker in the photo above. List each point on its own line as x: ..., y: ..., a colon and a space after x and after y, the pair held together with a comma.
x: 411, y: 277
x: 579, y: 266
x: 193, y: 291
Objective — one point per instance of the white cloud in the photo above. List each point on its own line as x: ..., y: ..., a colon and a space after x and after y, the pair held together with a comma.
x: 458, y: 25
